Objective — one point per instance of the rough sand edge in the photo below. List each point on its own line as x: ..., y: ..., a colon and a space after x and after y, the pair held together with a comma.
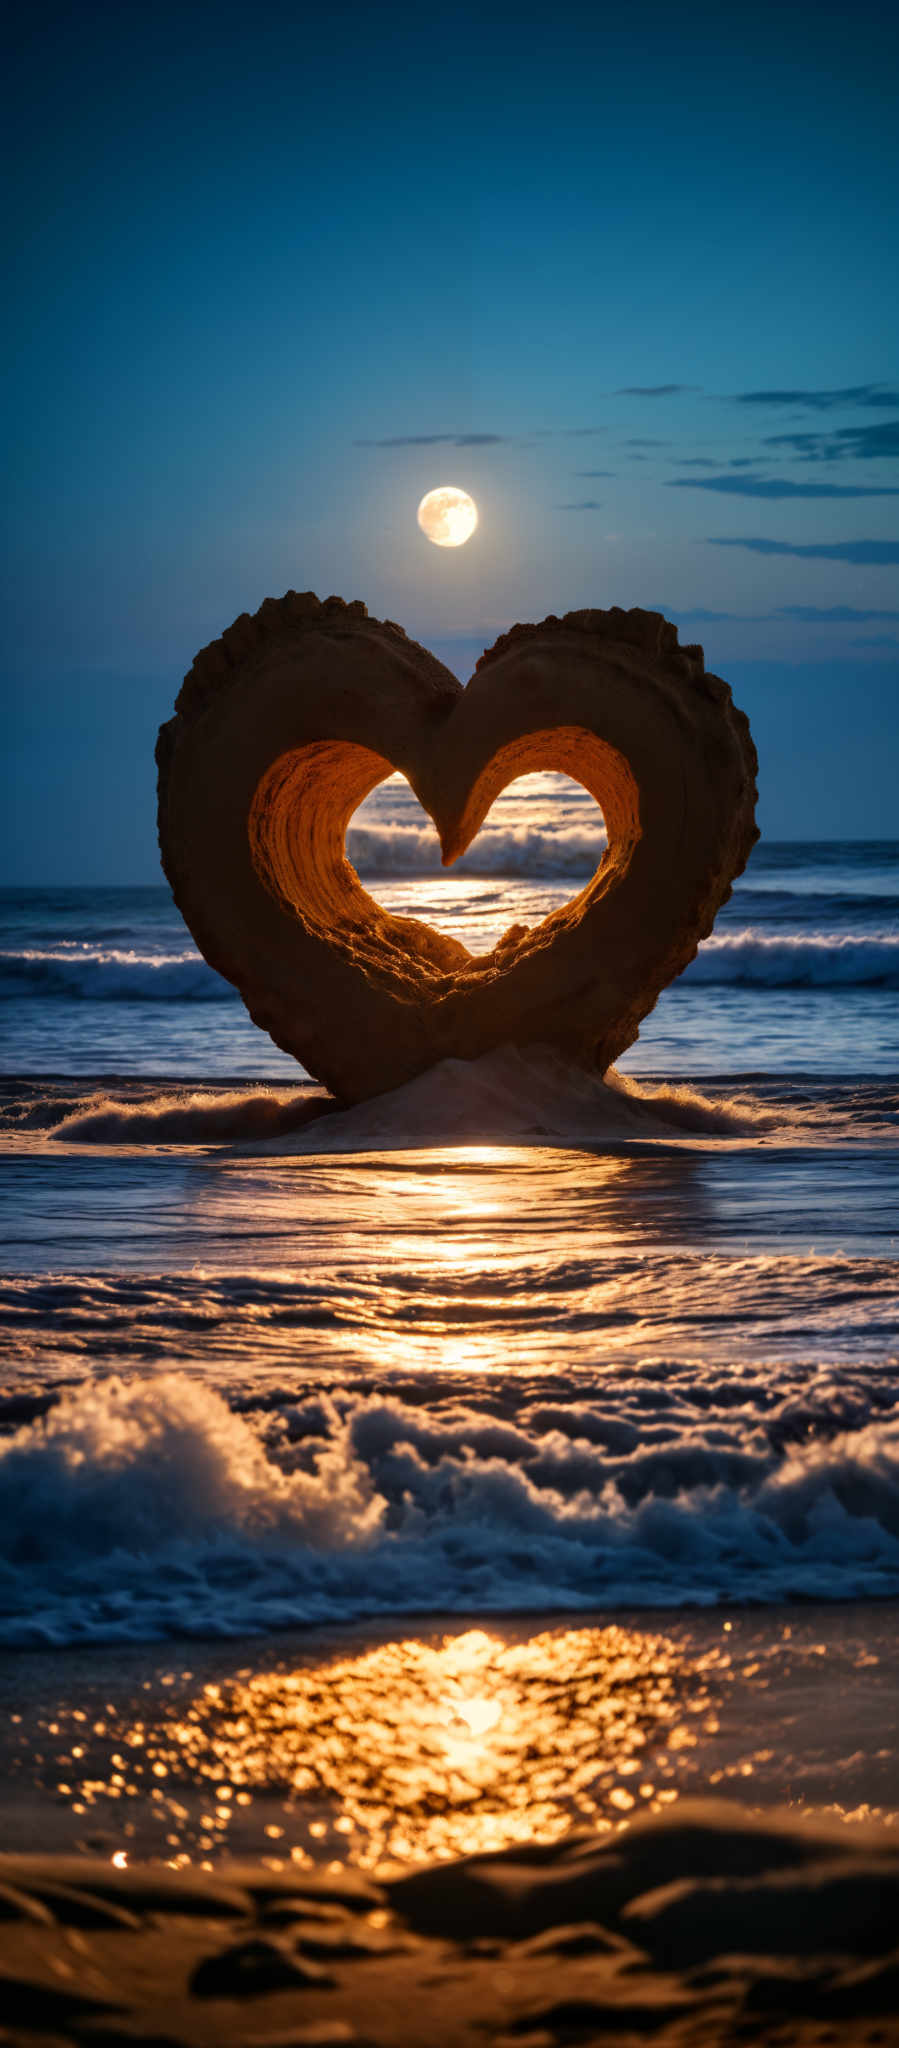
x: 519, y: 1096
x: 512, y: 1096
x: 707, y: 1926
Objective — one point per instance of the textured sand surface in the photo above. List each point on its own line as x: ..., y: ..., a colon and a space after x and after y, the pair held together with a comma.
x: 709, y: 1926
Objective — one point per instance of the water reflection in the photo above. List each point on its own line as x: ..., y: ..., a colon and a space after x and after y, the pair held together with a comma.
x: 478, y: 1260
x: 413, y: 1749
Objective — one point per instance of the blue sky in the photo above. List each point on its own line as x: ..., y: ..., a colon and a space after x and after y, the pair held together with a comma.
x: 629, y: 278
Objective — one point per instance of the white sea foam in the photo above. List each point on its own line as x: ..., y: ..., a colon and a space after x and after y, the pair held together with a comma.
x: 140, y: 1510
x: 799, y: 960
x: 547, y: 852
x: 513, y: 1096
x: 111, y: 974
x: 747, y: 957
x: 191, y: 1117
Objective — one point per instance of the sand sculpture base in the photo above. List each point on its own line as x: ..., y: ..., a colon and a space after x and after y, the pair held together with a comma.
x: 286, y: 723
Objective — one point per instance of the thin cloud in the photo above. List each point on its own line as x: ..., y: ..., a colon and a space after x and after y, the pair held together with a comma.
x: 653, y: 390
x: 639, y: 442
x: 779, y: 487
x: 582, y: 505
x: 808, y: 614
x: 876, y: 443
x: 698, y: 616
x: 593, y: 472
x: 694, y: 462
x: 808, y: 447
x: 878, y: 396
x: 834, y: 614
x: 876, y: 640
x: 439, y: 440
x: 875, y: 553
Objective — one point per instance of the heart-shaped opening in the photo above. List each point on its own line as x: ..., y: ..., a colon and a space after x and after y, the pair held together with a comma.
x: 541, y: 842
x: 303, y: 806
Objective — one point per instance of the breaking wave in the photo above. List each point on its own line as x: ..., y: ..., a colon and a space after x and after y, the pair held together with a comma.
x: 815, y: 960
x: 409, y: 849
x: 191, y: 1118
x: 137, y: 1511
x: 742, y: 958
x: 513, y: 1095
x: 111, y: 975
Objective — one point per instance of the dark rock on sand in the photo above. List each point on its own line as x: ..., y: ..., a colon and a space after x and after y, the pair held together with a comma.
x: 852, y: 1911
x: 584, y: 1880
x: 248, y: 1969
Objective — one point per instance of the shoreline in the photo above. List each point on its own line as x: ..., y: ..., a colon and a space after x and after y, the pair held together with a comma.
x: 456, y: 1734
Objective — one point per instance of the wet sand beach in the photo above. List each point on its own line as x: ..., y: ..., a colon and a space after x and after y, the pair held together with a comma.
x: 685, y: 1826
x: 371, y: 1747
x: 707, y: 1926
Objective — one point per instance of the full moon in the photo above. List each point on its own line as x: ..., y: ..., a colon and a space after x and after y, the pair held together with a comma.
x: 448, y: 516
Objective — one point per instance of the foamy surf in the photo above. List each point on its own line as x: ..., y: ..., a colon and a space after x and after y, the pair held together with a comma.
x: 548, y: 853
x: 111, y: 974
x: 137, y: 1511
x: 797, y: 960
x: 513, y: 1096
x: 752, y: 957
x: 189, y: 1117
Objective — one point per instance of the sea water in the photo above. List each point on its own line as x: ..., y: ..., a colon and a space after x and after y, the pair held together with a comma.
x: 507, y: 1342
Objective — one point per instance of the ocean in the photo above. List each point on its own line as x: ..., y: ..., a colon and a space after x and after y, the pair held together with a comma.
x: 427, y: 1476
x: 500, y: 1343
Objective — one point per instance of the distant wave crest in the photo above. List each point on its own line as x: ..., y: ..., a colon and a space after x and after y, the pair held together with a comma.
x: 747, y: 958
x: 111, y: 975
x: 402, y: 849
x: 811, y: 960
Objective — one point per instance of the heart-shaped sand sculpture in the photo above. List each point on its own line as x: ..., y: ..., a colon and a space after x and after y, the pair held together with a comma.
x: 287, y: 722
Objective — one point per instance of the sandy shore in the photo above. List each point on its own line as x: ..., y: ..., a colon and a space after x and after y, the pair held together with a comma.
x: 372, y: 1746
x: 522, y: 1833
x: 705, y: 1926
